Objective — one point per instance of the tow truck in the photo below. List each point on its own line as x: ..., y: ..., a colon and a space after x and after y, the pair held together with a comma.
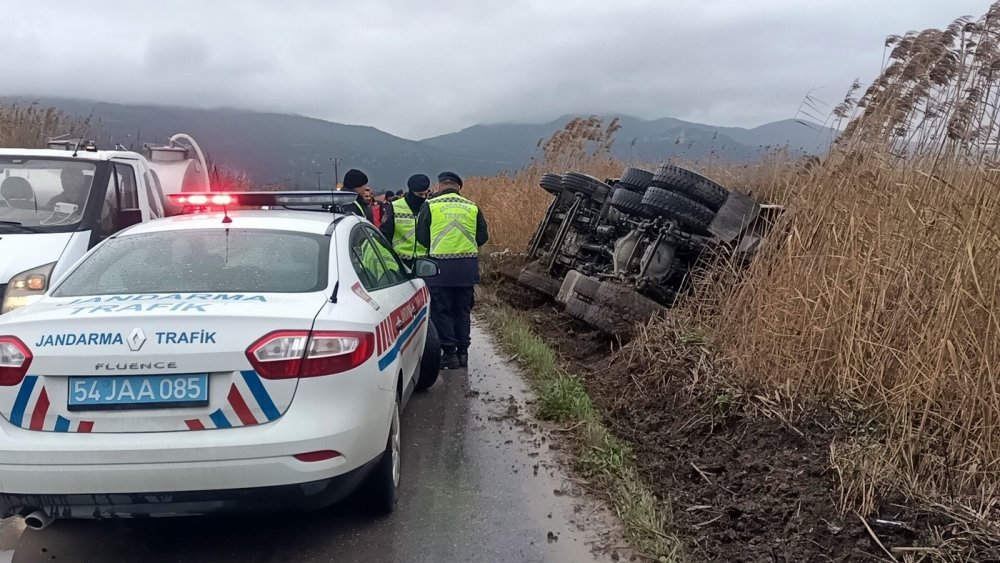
x: 59, y: 202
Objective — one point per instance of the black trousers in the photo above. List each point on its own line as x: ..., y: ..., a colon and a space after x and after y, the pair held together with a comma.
x: 451, y: 311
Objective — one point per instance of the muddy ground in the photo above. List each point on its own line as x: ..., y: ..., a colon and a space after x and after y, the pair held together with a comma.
x: 741, y: 489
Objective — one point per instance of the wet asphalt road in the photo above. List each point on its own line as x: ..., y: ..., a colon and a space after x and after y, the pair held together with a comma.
x: 480, y: 483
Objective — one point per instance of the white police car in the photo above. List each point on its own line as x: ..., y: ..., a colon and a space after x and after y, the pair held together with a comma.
x: 213, y: 362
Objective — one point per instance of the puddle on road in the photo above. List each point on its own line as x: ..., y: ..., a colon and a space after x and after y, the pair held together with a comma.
x: 576, y: 527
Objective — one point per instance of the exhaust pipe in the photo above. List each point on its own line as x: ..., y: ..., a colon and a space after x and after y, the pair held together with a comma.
x: 38, y: 520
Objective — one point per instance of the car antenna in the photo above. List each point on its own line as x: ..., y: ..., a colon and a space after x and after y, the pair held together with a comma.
x: 226, y: 219
x: 86, y: 127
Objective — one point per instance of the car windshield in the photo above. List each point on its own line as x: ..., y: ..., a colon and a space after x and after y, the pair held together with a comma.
x: 43, y: 192
x: 209, y: 260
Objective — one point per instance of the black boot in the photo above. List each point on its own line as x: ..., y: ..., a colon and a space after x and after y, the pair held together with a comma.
x: 463, y: 357
x: 449, y: 360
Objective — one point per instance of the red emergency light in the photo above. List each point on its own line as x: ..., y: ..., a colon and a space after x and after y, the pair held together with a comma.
x: 201, y: 201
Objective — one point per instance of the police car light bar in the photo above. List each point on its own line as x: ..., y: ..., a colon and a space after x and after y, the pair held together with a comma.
x: 262, y: 199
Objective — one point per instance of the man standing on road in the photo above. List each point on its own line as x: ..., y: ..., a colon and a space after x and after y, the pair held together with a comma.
x: 357, y: 182
x: 399, y: 226
x: 452, y: 228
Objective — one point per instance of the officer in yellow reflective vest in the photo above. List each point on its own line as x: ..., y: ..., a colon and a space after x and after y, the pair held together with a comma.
x: 399, y: 226
x: 452, y: 229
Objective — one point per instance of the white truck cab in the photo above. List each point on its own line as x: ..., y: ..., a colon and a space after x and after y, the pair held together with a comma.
x: 57, y: 203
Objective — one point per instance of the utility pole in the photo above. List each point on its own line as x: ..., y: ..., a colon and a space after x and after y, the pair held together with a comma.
x: 318, y: 174
x: 336, y: 170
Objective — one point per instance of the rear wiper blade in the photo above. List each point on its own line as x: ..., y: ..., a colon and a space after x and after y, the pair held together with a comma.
x: 18, y: 225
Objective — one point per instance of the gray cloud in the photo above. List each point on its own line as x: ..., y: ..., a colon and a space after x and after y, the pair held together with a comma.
x: 421, y: 68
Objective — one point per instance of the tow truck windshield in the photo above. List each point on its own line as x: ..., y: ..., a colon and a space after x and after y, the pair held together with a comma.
x: 36, y: 193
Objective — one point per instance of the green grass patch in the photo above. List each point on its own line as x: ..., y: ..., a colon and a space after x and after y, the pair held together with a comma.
x: 607, y: 461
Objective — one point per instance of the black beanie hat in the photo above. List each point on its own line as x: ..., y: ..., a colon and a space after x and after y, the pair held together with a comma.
x: 450, y: 177
x: 418, y: 183
x: 354, y: 179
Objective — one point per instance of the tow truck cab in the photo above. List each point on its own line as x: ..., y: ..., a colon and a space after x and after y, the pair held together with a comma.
x: 58, y: 203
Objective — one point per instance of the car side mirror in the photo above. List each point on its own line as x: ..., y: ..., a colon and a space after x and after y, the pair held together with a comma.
x: 129, y: 217
x: 424, y: 268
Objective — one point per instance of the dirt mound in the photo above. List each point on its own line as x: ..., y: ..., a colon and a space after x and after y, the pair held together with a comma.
x: 741, y: 490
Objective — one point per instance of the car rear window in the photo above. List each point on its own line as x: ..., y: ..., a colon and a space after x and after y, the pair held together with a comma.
x: 210, y: 260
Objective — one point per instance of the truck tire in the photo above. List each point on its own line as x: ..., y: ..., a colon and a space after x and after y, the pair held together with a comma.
x: 551, y: 183
x: 585, y: 185
x: 624, y: 307
x: 577, y: 308
x: 601, y: 194
x: 539, y: 281
x: 636, y: 179
x: 671, y: 205
x: 575, y: 284
x: 691, y: 185
x: 628, y: 202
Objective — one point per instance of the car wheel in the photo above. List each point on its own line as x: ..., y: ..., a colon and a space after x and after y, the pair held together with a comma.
x: 382, y: 487
x: 430, y: 361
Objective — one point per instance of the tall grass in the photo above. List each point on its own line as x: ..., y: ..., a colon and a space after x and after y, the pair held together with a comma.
x: 29, y: 125
x: 881, y: 286
x: 884, y: 288
x: 513, y: 204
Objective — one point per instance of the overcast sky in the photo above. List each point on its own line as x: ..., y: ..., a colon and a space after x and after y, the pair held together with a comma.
x: 421, y: 68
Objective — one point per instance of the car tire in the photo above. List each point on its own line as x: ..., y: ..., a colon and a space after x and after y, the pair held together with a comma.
x: 628, y: 202
x: 381, y: 488
x: 539, y: 281
x: 687, y: 212
x: 692, y: 185
x: 636, y: 179
x: 430, y: 361
x: 551, y: 183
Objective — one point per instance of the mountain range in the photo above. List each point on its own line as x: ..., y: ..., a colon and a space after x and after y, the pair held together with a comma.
x: 299, y: 151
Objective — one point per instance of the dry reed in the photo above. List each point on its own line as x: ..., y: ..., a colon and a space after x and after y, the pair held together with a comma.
x: 29, y: 125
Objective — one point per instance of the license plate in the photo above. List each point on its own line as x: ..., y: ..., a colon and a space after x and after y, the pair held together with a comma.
x: 138, y: 392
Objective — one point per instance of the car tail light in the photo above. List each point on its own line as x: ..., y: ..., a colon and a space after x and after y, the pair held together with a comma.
x: 291, y: 354
x: 321, y: 455
x: 15, y: 359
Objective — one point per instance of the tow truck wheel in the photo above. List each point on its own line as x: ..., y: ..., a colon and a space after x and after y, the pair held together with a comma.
x: 430, y: 361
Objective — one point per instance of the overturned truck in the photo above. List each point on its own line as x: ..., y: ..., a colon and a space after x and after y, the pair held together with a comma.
x: 619, y: 251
